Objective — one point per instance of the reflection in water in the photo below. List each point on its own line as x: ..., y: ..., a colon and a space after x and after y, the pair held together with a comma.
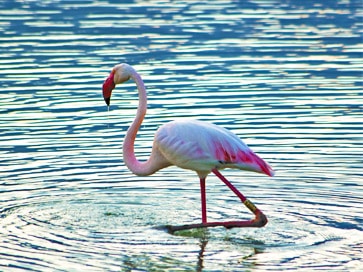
x: 285, y: 77
x: 203, y: 243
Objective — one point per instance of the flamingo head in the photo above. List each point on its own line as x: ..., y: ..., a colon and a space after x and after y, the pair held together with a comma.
x: 120, y: 73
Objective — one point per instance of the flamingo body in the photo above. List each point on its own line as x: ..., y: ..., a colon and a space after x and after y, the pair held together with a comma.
x: 202, y: 146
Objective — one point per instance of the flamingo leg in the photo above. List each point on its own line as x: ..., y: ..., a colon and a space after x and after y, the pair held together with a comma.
x: 260, y: 219
x: 203, y: 200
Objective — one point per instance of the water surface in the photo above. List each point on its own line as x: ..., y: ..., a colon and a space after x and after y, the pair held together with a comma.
x: 284, y: 76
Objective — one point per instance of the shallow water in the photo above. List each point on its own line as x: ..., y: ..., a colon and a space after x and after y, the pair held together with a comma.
x: 285, y: 77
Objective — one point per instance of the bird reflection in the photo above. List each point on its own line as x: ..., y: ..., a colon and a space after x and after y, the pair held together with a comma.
x: 245, y: 261
x: 203, y: 243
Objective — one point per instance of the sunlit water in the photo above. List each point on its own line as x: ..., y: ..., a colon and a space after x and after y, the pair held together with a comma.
x: 283, y: 75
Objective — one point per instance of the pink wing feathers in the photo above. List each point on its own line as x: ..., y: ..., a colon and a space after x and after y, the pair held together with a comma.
x: 201, y: 146
x: 246, y: 160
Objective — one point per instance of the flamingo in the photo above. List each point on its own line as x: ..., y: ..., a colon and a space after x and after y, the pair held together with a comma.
x: 190, y: 144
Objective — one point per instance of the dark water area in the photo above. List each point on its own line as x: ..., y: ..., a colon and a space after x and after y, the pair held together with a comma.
x: 285, y: 76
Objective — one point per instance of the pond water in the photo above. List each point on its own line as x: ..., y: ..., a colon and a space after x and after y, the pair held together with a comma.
x: 285, y: 76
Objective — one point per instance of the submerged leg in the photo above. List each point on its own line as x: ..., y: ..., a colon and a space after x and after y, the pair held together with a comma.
x: 203, y: 200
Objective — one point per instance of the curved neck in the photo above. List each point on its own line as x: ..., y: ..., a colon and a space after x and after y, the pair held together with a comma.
x: 137, y: 167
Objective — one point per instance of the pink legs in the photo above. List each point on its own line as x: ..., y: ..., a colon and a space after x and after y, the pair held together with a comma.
x: 259, y: 221
x: 203, y: 200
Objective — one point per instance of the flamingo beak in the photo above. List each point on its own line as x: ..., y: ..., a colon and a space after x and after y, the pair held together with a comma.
x: 107, y: 88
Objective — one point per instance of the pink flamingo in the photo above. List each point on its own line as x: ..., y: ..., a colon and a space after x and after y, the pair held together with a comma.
x: 190, y: 144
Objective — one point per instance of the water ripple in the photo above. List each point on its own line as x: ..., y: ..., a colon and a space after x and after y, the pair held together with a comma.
x: 285, y: 77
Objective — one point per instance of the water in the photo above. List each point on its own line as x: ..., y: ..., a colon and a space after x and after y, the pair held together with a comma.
x: 284, y: 76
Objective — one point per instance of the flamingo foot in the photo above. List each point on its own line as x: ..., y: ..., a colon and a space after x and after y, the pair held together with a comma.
x: 259, y: 221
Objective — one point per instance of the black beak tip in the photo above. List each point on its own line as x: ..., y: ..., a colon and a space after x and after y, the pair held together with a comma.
x: 107, y: 100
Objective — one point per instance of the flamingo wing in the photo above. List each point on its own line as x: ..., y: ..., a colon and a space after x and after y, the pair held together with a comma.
x: 202, y: 146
